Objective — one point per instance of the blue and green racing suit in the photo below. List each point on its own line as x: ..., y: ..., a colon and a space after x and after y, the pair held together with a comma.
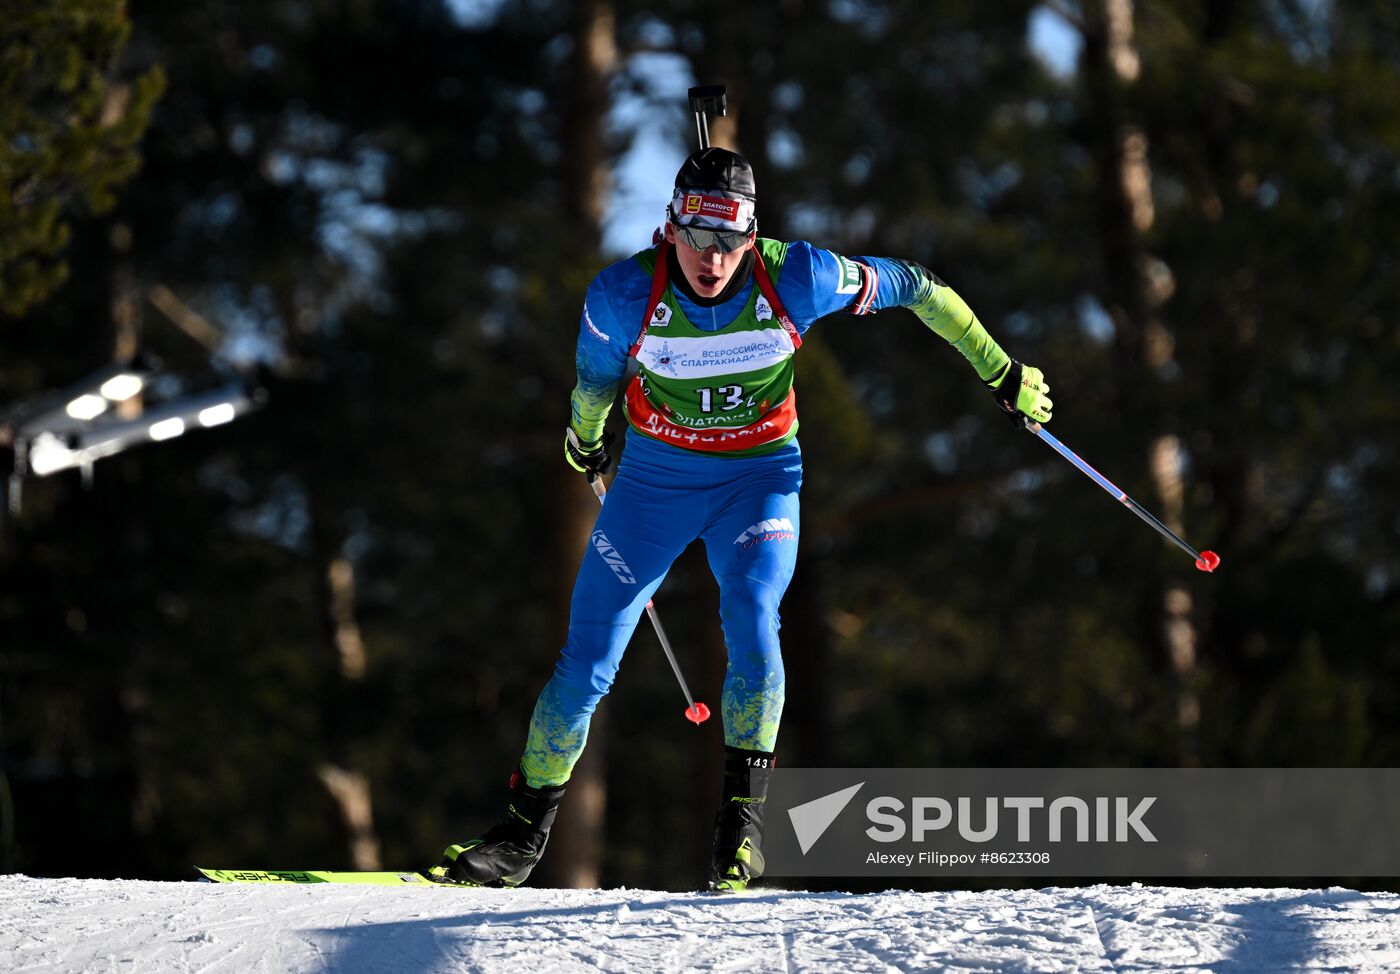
x: 711, y: 454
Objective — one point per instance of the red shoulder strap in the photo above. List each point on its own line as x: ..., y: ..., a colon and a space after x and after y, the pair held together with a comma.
x: 659, y: 280
x: 766, y: 288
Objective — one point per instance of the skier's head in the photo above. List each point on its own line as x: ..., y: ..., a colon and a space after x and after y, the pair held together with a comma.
x: 711, y: 218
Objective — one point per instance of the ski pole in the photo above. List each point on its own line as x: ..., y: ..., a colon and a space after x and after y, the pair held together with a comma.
x: 695, y: 712
x: 1206, y: 561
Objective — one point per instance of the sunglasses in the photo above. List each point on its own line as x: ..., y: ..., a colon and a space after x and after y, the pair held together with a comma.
x: 703, y: 238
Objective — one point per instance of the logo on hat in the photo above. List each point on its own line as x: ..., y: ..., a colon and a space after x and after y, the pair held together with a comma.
x: 712, y: 206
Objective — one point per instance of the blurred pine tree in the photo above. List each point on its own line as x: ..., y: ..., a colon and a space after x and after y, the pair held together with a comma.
x: 71, y: 125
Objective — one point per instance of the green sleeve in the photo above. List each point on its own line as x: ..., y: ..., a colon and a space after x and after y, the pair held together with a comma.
x: 590, y: 404
x: 948, y: 316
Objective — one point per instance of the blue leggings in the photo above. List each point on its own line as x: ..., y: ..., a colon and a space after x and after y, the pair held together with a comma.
x: 663, y: 498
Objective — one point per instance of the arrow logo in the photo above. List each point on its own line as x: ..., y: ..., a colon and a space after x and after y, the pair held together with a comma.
x: 811, y: 819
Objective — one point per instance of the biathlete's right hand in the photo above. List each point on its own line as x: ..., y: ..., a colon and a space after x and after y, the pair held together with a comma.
x: 589, y: 458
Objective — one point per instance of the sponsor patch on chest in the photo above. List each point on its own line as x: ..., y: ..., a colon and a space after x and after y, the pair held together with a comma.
x: 688, y: 357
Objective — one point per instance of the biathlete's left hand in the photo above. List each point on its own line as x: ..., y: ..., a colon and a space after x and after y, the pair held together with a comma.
x: 1022, y: 392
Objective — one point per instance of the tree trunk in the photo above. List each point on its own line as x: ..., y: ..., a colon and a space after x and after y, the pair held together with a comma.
x: 347, y: 785
x: 1136, y: 285
x: 807, y: 652
x: 576, y: 841
x: 128, y: 544
x: 350, y: 789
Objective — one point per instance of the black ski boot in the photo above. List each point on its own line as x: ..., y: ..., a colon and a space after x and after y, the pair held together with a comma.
x: 739, y: 824
x: 508, y: 851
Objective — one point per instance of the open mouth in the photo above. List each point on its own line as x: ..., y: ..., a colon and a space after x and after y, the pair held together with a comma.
x: 709, y: 280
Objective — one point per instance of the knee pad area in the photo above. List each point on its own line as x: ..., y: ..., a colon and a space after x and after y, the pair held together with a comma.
x: 749, y: 614
x: 577, y: 685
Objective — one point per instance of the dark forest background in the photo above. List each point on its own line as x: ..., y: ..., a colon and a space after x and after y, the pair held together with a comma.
x: 313, y: 637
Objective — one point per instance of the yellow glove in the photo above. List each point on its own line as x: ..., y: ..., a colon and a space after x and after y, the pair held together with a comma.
x: 1022, y: 392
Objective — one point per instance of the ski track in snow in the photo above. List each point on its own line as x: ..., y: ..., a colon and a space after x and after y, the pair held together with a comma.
x: 94, y: 925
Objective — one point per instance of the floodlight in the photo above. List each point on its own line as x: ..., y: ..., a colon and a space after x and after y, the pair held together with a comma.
x: 224, y: 412
x: 87, y: 406
x: 49, y: 454
x: 122, y: 387
x: 72, y: 409
x: 167, y: 429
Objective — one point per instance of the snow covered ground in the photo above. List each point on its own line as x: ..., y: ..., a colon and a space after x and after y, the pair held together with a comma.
x: 92, y: 925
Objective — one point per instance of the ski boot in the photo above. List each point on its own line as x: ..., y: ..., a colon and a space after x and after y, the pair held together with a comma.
x: 510, y: 849
x: 738, y: 859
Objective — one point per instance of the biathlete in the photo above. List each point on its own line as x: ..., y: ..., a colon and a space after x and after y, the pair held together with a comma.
x: 713, y: 315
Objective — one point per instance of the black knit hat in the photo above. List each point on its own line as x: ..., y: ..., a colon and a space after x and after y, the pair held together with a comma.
x: 715, y: 191
x: 718, y: 169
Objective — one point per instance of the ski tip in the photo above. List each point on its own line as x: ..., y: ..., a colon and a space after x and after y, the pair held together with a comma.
x: 1208, y: 562
x: 306, y: 877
